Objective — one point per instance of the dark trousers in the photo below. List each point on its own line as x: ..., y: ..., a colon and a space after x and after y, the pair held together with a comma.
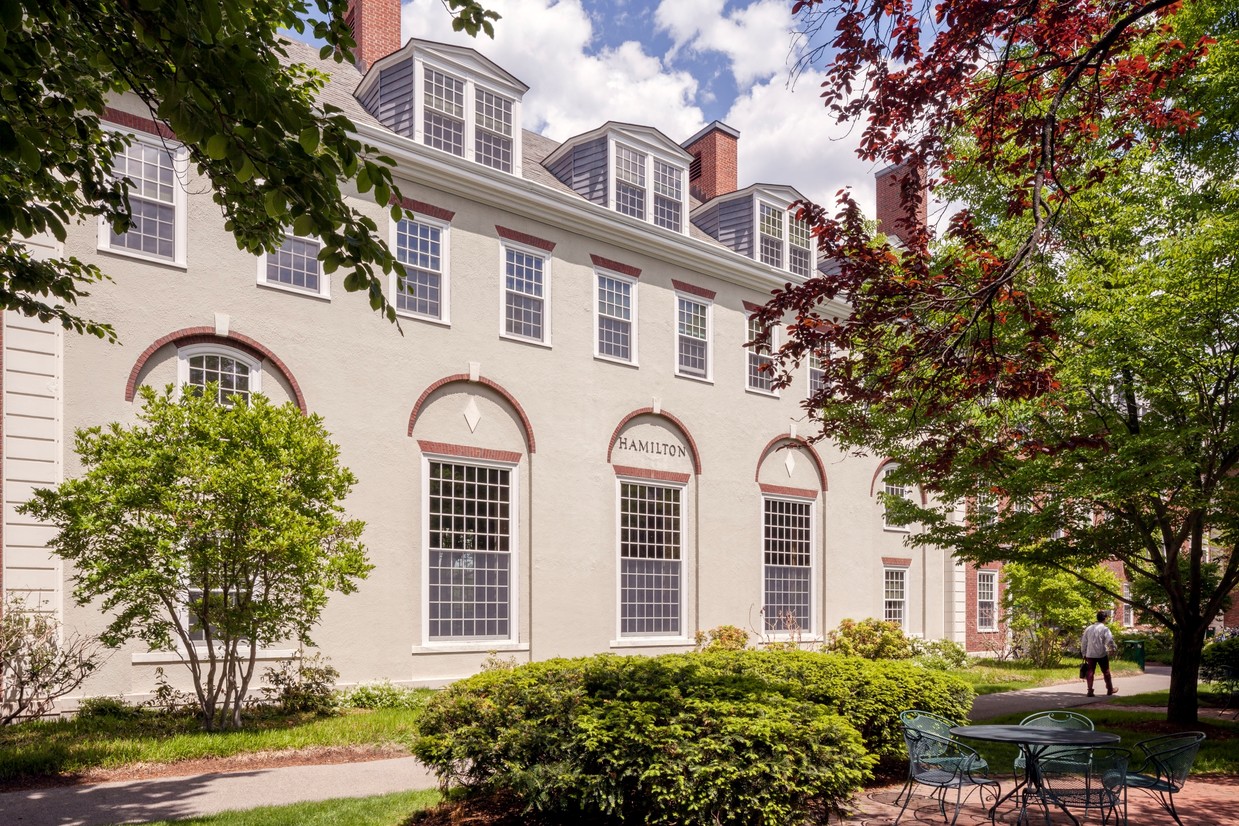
x: 1093, y: 662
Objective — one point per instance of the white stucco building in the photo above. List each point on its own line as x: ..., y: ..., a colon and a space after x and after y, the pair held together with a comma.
x: 568, y: 450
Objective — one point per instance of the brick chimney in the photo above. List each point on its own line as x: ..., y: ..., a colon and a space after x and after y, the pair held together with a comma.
x: 894, y: 218
x: 713, y: 170
x: 376, y: 28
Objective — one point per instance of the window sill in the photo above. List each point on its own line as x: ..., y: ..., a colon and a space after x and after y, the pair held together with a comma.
x: 284, y: 288
x: 469, y: 647
x: 177, y: 657
x: 121, y: 252
x: 769, y: 394
x: 532, y: 342
x: 441, y: 322
x: 613, y: 360
x: 652, y: 642
x: 896, y: 530
x: 702, y: 379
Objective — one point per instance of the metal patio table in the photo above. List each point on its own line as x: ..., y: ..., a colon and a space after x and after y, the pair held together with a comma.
x: 1034, y: 741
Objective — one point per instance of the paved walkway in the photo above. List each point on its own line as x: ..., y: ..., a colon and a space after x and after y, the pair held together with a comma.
x: 103, y: 804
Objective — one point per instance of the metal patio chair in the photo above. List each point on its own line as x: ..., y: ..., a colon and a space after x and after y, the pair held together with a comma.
x: 929, y: 723
x: 1098, y: 782
x: 1051, y: 756
x: 944, y: 763
x: 1167, y: 763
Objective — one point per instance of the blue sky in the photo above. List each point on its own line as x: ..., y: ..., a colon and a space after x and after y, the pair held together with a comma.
x: 672, y: 64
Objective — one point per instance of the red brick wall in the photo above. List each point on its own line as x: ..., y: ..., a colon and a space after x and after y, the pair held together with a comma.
x: 376, y: 28
x: 980, y: 642
x: 719, y: 172
x: 893, y: 217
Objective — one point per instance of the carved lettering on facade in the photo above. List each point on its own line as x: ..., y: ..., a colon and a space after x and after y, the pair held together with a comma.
x: 651, y: 447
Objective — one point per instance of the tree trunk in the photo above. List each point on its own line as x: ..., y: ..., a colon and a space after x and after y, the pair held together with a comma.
x: 1184, y: 673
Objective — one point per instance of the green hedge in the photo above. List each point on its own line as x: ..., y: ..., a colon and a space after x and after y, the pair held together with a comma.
x: 732, y: 737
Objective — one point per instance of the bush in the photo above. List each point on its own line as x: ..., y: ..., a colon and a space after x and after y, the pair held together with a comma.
x: 873, y: 639
x: 304, y: 684
x: 939, y: 655
x: 1218, y: 657
x: 722, y: 638
x: 39, y: 663
x: 723, y: 737
x: 382, y: 695
x: 114, y: 708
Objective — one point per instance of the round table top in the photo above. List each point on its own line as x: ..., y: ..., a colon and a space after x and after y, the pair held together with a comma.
x: 1037, y: 735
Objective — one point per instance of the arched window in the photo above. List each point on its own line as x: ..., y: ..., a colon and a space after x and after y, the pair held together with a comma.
x: 892, y: 488
x: 236, y: 374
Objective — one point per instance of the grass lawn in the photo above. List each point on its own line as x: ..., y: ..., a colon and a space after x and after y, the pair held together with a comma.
x: 71, y: 746
x: 385, y: 810
x: 993, y: 676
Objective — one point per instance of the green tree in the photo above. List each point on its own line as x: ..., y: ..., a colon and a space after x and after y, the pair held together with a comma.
x: 208, y: 529
x: 217, y: 75
x: 1045, y: 609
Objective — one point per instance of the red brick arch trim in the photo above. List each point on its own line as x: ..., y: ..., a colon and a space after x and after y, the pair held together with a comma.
x: 649, y: 411
x: 877, y: 474
x: 482, y: 380
x: 206, y: 335
x: 799, y: 442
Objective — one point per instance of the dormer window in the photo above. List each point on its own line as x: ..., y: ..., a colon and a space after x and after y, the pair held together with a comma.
x: 630, y: 182
x: 661, y: 204
x: 770, y: 229
x: 668, y: 195
x: 445, y: 112
x: 493, y: 140
x: 800, y: 247
x: 783, y: 238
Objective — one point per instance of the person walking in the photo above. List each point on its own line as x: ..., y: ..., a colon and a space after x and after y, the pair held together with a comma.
x: 1096, y: 646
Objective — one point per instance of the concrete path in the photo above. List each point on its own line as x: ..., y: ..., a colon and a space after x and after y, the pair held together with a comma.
x: 1071, y: 695
x: 170, y: 798
x: 139, y: 801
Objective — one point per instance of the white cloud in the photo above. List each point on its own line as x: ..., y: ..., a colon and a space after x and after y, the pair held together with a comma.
x: 786, y: 137
x: 544, y: 43
x: 756, y: 39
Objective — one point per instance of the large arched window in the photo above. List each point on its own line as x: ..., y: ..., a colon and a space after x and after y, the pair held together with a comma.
x: 236, y: 374
x: 892, y: 488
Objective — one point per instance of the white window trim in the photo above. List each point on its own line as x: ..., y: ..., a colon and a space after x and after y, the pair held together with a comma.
x: 708, y: 378
x: 632, y: 321
x: 514, y: 552
x: 994, y: 576
x: 324, y: 283
x: 904, y: 572
x: 445, y: 278
x: 782, y: 209
x: 621, y: 639
x: 180, y: 241
x: 472, y: 82
x: 504, y: 246
x: 749, y: 353
x: 184, y: 354
x: 808, y: 363
x: 650, y: 153
x: 908, y: 492
x: 815, y: 596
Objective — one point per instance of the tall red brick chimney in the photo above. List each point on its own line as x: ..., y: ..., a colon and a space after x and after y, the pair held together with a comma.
x: 713, y: 171
x: 376, y: 28
x: 894, y: 218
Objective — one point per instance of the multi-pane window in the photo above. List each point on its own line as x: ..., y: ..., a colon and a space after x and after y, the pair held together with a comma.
x: 523, y: 294
x: 651, y: 531
x: 493, y: 135
x: 668, y: 195
x: 984, y: 511
x: 817, y: 373
x: 152, y: 201
x: 799, y: 247
x: 444, y: 120
x: 770, y: 234
x: 470, y: 551
x: 295, y: 265
x: 1129, y: 613
x: 629, y: 182
x: 787, y: 565
x: 895, y: 595
x: 987, y: 600
x: 230, y: 374
x: 419, y: 247
x: 615, y: 317
x: 693, y: 333
x: 892, y: 488
x: 760, y: 362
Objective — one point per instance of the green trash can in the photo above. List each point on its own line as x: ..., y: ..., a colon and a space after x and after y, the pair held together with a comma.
x: 1133, y: 651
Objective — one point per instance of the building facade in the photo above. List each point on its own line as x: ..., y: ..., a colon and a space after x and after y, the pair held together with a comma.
x: 565, y: 449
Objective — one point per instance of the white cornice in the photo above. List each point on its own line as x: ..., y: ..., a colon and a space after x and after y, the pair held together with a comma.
x: 571, y: 212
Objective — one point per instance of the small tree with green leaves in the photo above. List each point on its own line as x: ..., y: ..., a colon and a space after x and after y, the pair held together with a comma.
x: 208, y: 529
x: 1045, y: 608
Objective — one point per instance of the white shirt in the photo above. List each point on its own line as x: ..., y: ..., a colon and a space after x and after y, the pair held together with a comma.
x: 1097, y: 641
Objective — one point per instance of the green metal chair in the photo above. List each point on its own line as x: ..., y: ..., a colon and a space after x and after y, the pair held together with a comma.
x: 929, y: 723
x: 943, y: 764
x: 1071, y: 756
x: 1098, y: 782
x: 1167, y: 763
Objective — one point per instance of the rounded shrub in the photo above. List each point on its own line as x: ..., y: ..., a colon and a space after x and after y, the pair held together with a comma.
x: 726, y: 737
x: 873, y: 639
